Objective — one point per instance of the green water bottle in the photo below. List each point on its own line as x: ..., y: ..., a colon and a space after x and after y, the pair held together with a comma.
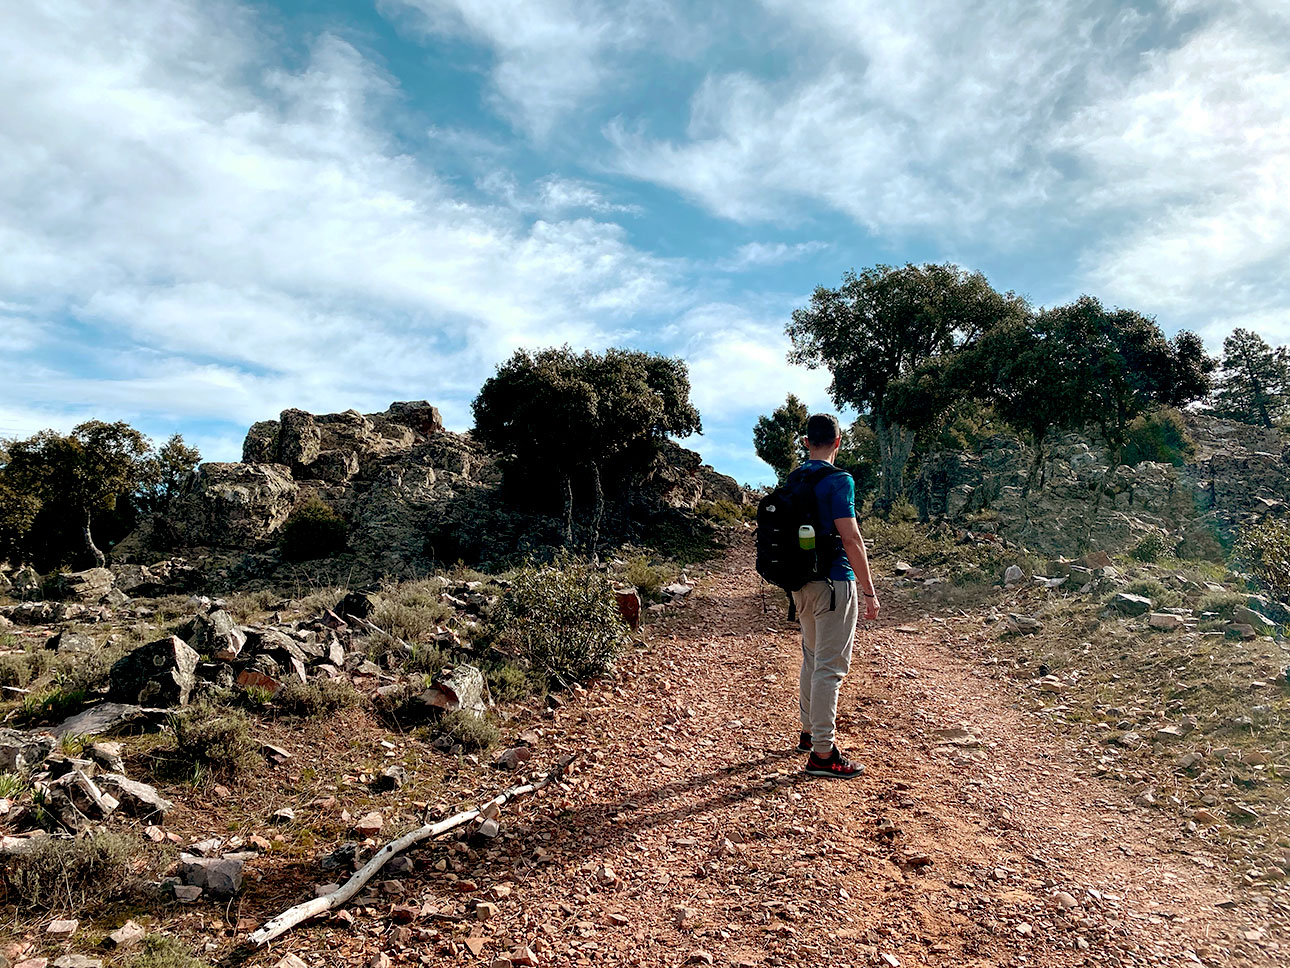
x: 806, y: 538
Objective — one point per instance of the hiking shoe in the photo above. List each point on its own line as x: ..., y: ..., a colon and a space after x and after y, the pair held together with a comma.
x: 834, y: 766
x: 804, y: 743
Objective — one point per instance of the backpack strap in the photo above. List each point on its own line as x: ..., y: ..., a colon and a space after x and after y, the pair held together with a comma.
x: 792, y: 606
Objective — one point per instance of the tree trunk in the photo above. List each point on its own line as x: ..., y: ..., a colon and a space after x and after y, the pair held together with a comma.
x: 99, y: 559
x: 568, y: 510
x: 895, y: 444
x: 598, y: 513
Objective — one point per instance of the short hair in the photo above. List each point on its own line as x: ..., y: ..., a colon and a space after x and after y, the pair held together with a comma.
x: 823, y: 428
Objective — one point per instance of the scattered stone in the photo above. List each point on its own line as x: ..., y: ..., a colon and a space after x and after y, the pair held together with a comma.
x: 514, y: 758
x: 489, y: 828
x: 1170, y: 733
x: 186, y: 893
x: 369, y: 825
x: 251, y: 679
x: 62, y: 928
x: 390, y: 779
x: 1012, y: 575
x: 1165, y: 621
x: 699, y: 957
x: 485, y: 910
x: 66, y: 642
x: 523, y: 955
x: 1065, y: 900
x: 136, y: 799
x: 126, y: 935
x: 1261, y: 624
x: 108, y: 756
x: 218, y: 876
x: 402, y: 913
x: 461, y: 687
x: 676, y: 591
x: 291, y: 961
x: 629, y: 606
x: 22, y: 752
x: 1024, y: 624
x: 77, y: 961
x: 100, y: 720
x: 218, y: 635
x: 285, y: 815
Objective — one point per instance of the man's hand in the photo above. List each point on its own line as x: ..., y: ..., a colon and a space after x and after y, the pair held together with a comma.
x: 872, y: 607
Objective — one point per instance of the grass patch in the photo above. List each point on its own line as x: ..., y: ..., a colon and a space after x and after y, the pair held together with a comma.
x: 322, y: 697
x: 12, y: 786
x: 472, y: 733
x: 163, y: 951
x: 508, y: 682
x: 1154, y: 589
x: 426, y: 659
x: 19, y: 669
x: 1223, y: 604
x: 61, y: 874
x: 211, y: 740
x: 647, y: 577
x: 52, y: 704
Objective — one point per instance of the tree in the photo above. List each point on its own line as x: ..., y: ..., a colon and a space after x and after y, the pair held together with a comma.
x: 165, y: 473
x: 566, y: 413
x: 778, y: 438
x: 1253, y: 380
x: 84, y: 472
x: 879, y: 331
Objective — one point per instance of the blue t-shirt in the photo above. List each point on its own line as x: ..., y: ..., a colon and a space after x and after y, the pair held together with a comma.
x: 837, y: 497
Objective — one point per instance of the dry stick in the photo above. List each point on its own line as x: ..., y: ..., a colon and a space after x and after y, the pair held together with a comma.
x: 291, y: 917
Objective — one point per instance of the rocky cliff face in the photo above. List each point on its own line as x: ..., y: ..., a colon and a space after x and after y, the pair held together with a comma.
x: 408, y: 488
x: 1239, y: 473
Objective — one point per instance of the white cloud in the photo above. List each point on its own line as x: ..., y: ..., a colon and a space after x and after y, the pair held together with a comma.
x: 756, y: 255
x: 253, y: 235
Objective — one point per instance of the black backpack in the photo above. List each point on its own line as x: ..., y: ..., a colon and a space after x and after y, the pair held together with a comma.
x: 780, y: 559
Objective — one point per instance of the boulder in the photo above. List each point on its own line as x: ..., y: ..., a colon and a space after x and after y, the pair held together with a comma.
x: 83, y: 586
x: 461, y: 687
x: 26, y: 584
x: 358, y: 605
x: 1256, y: 620
x: 1165, y: 621
x: 99, y: 720
x: 23, y: 752
x: 1127, y: 604
x: 234, y: 505
x: 217, y: 876
x: 629, y: 606
x: 136, y: 799
x: 77, y: 801
x: 66, y: 642
x: 1013, y: 574
x: 217, y: 634
x: 161, y: 673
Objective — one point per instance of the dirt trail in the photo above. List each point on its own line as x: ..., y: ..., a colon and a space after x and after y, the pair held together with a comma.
x: 689, y: 833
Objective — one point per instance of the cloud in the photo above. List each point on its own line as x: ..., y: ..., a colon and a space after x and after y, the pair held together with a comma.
x: 237, y: 237
x: 755, y: 255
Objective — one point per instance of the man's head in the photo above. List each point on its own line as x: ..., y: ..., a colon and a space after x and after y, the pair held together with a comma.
x: 823, y: 435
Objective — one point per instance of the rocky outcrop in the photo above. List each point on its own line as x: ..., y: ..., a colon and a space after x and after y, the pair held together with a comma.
x: 160, y: 673
x: 408, y: 489
x: 1238, y: 474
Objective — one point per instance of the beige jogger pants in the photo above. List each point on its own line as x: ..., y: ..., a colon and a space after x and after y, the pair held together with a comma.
x: 827, y: 637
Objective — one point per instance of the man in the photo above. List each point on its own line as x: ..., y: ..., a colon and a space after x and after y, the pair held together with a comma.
x: 828, y: 610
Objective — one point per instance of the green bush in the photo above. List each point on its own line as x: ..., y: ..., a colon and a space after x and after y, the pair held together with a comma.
x: 322, y: 697
x: 1153, y: 547
x: 725, y: 512
x: 19, y: 669
x: 1265, y: 550
x: 410, y: 621
x: 313, y: 530
x: 561, y: 620
x: 1159, y: 436
x: 472, y: 733
x: 426, y: 659
x: 647, y: 577
x: 1152, y: 588
x: 1223, y: 604
x: 508, y: 682
x: 213, y: 740
x: 54, y: 872
x: 163, y: 951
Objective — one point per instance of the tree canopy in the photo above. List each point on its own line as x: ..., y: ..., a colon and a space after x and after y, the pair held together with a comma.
x: 562, y: 412
x: 777, y: 438
x: 1253, y: 383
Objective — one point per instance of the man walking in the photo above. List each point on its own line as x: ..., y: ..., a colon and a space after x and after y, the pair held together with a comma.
x: 828, y: 610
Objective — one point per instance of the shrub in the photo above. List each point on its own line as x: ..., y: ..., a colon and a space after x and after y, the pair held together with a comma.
x: 213, y: 740
x: 1223, y: 604
x: 163, y: 951
x: 313, y: 530
x: 472, y: 733
x: 426, y: 659
x: 18, y: 670
x: 725, y: 512
x: 508, y: 682
x: 410, y: 621
x: 1153, y: 547
x: 648, y: 577
x: 1161, y: 597
x: 322, y: 697
x: 561, y: 620
x: 1265, y: 550
x: 11, y: 786
x: 54, y: 872
x: 1158, y: 436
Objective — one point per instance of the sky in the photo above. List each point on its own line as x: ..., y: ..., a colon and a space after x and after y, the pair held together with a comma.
x: 211, y: 211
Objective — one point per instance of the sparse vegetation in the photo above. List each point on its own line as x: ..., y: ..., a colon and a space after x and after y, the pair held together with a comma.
x: 1265, y: 549
x: 647, y: 577
x: 1222, y: 604
x: 212, y: 740
x: 1152, y: 548
x: 319, y: 697
x: 1152, y: 588
x: 163, y: 951
x: 472, y: 733
x: 54, y: 873
x: 561, y: 620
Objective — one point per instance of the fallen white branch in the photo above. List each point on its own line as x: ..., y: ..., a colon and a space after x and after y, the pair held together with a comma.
x: 291, y: 917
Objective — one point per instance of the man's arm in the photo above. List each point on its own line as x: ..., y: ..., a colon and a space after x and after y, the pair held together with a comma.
x: 849, y: 532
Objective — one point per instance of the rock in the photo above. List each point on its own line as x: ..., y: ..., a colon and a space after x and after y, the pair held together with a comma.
x: 699, y: 957
x: 126, y: 935
x: 1241, y: 630
x: 1255, y: 620
x: 524, y: 955
x: 1165, y: 621
x: 629, y: 606
x: 99, y: 720
x: 461, y: 687
x: 1127, y: 604
x: 1051, y: 684
x: 233, y: 505
x: 1024, y: 624
x: 291, y: 961
x: 1065, y: 901
x: 1169, y: 734
x: 676, y: 591
x: 217, y: 876
x: 26, y: 583
x: 77, y: 961
x: 369, y: 825
x: 77, y: 801
x: 1095, y: 560
x: 485, y: 910
x: 136, y: 799
x: 217, y: 634
x: 1012, y: 575
x: 107, y: 755
x: 391, y: 778
x: 251, y: 679
x: 514, y: 758
x: 83, y: 586
x: 23, y: 752
x: 161, y: 673
x: 62, y: 929
x: 186, y: 893
x: 358, y: 605
x: 489, y: 828
x: 65, y: 642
